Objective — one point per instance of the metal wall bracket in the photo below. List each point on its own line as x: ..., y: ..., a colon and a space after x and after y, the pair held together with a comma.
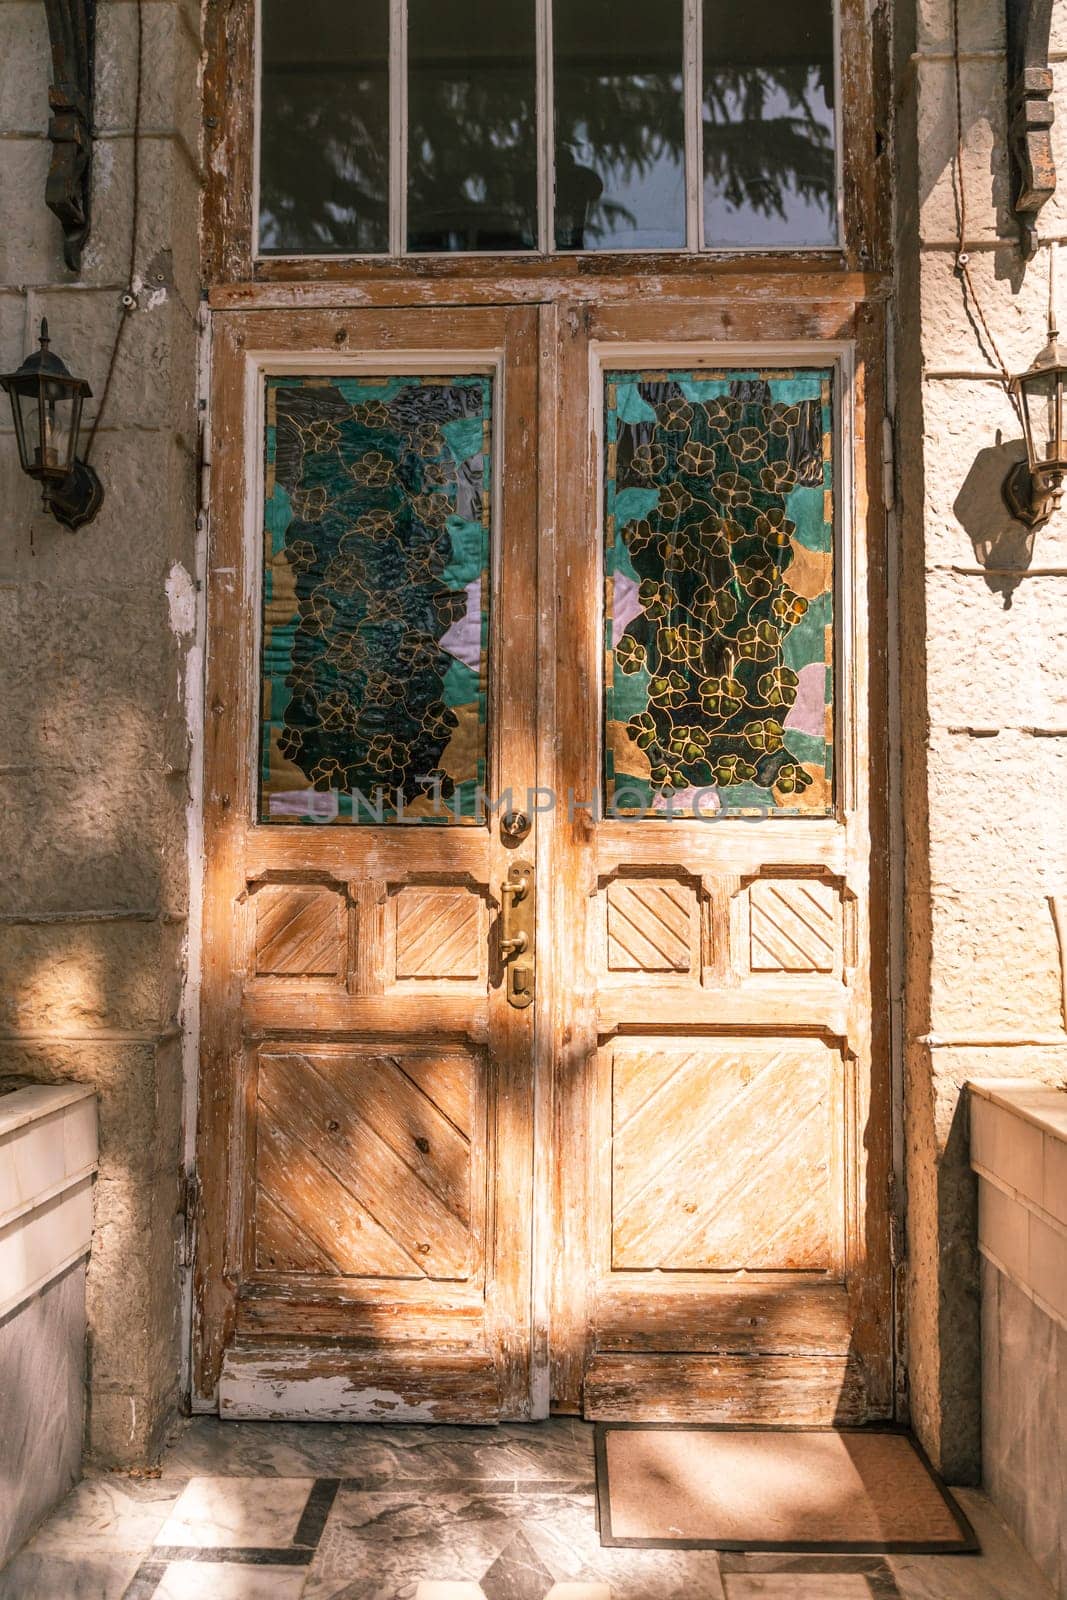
x: 1030, y: 113
x: 72, y: 30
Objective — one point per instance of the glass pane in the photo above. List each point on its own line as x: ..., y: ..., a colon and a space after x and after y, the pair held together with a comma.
x: 472, y: 119
x: 769, y: 173
x: 324, y: 131
x: 375, y: 598
x: 719, y: 593
x: 620, y: 125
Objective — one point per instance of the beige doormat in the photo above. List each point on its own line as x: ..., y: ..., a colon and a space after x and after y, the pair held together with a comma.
x: 677, y: 1486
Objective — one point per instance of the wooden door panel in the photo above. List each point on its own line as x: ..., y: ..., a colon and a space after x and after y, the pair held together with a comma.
x: 361, y: 1158
x: 793, y: 926
x: 652, y: 927
x: 440, y: 936
x: 366, y: 1092
x: 723, y: 1113
x: 724, y: 1157
x: 301, y: 932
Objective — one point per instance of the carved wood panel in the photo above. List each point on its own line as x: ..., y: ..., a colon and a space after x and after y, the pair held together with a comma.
x: 725, y: 1156
x: 365, y: 1163
x: 651, y: 927
x: 794, y: 925
x: 301, y: 931
x: 439, y: 933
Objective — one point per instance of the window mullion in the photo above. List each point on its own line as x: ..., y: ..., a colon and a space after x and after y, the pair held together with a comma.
x: 398, y: 127
x: 546, y: 132
x: 694, y: 152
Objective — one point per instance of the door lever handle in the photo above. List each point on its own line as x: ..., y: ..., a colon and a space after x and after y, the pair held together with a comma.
x: 511, y: 943
x: 516, y: 931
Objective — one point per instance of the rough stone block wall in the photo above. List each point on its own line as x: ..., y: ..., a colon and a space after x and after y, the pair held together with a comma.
x: 983, y: 679
x: 96, y: 626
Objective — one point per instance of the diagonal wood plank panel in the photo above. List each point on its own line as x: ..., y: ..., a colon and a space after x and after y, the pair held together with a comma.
x: 722, y: 1157
x: 793, y: 925
x: 649, y: 927
x: 300, y: 932
x: 438, y: 933
x: 358, y: 1171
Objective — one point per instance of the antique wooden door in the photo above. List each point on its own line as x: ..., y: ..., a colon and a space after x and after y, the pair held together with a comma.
x: 367, y: 1081
x: 554, y: 615
x: 721, y: 1082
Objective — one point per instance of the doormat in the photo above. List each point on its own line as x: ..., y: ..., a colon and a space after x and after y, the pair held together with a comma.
x: 842, y: 1492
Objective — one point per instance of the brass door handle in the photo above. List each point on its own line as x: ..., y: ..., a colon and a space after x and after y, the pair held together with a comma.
x: 516, y: 931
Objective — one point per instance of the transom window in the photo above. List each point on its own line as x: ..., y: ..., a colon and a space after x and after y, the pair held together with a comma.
x: 393, y: 127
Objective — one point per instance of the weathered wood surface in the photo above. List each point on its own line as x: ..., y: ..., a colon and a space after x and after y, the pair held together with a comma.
x: 783, y: 1391
x: 324, y: 1384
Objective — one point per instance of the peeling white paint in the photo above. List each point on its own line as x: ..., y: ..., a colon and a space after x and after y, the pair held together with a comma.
x: 261, y: 1393
x: 181, y: 599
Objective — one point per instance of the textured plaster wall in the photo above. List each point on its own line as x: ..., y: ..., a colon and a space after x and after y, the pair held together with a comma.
x: 984, y: 683
x: 94, y: 746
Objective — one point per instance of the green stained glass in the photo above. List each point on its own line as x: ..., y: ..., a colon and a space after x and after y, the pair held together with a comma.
x: 375, y: 599
x: 719, y: 569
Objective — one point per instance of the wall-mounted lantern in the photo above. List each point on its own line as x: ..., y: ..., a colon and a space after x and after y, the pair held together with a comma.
x: 1034, y: 487
x: 46, y: 400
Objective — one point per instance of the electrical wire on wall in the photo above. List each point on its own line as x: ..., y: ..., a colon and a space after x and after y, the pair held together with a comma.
x: 129, y: 298
x: 971, y: 301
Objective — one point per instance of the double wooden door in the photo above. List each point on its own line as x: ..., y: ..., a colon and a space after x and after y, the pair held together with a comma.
x: 543, y: 1053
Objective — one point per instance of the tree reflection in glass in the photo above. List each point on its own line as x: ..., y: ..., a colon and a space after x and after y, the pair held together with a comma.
x: 768, y: 112
x: 472, y: 125
x: 620, y: 125
x: 324, y: 128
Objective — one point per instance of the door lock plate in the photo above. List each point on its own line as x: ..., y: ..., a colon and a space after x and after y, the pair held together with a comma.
x: 517, y: 897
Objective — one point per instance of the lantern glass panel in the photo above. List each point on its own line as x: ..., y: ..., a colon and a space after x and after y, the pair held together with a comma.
x: 1039, y: 404
x: 24, y: 411
x: 1056, y: 445
x: 59, y: 415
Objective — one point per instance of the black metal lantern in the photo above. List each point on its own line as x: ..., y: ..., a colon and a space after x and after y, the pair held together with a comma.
x: 1034, y: 487
x: 47, y: 404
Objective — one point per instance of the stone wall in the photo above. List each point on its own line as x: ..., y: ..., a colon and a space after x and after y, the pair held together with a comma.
x: 983, y: 681
x: 96, y: 625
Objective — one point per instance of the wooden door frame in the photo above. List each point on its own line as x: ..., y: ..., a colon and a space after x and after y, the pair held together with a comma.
x: 782, y: 294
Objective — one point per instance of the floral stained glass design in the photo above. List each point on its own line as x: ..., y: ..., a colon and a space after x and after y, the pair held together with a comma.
x: 719, y: 592
x: 375, y: 599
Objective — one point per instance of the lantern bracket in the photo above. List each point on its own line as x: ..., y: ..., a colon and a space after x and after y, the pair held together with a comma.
x: 1032, y: 497
x: 72, y: 31
x: 1030, y: 113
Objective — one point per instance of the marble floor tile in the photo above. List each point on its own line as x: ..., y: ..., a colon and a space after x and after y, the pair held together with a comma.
x: 1003, y: 1571
x: 564, y: 1535
x: 518, y: 1573
x: 798, y: 1586
x: 237, y: 1513
x: 559, y: 1449
x: 579, y: 1591
x: 448, y: 1591
x: 108, y: 1512
x: 74, y: 1576
x: 382, y: 1546
x: 198, y: 1580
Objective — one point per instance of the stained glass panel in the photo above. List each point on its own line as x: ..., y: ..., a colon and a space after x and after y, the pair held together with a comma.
x: 375, y: 598
x: 719, y: 565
